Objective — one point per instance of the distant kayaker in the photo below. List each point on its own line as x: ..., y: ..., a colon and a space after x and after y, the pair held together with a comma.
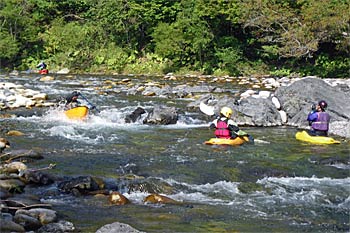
x: 41, y: 66
x: 319, y: 119
x: 72, y: 100
x: 223, y: 125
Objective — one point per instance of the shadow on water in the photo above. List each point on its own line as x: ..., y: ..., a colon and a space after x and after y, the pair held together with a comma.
x: 278, y: 184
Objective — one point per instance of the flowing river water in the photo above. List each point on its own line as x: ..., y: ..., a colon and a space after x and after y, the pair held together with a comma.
x: 278, y: 184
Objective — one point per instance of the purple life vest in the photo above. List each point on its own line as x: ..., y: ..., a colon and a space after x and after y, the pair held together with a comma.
x: 322, y: 121
x: 222, y: 130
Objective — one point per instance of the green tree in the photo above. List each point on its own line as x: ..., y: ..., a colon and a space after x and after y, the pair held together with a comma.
x: 297, y: 27
x: 185, y: 41
x: 18, y: 31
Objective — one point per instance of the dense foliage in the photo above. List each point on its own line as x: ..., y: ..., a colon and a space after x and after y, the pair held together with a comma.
x: 234, y: 37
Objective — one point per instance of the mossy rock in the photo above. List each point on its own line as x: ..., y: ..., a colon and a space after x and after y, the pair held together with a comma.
x: 250, y: 187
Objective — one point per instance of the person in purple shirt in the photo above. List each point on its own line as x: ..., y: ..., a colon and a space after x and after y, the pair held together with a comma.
x: 319, y: 119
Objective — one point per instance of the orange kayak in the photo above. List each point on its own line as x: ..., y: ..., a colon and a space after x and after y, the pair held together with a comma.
x: 77, y: 113
x: 230, y: 142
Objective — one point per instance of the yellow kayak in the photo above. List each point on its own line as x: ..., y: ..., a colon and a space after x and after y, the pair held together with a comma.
x: 230, y: 142
x: 304, y: 136
x: 77, y: 113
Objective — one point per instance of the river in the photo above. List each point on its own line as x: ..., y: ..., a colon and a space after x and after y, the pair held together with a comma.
x: 278, y: 184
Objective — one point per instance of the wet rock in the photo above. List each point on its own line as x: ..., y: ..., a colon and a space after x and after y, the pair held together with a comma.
x: 36, y: 177
x: 13, y: 167
x: 4, y: 193
x: 4, y: 143
x: 250, y: 187
x: 45, y: 216
x: 82, y: 185
x: 116, y: 198
x: 341, y: 128
x: 159, y: 199
x: 14, y: 133
x: 260, y: 112
x: 28, y: 222
x: 47, y: 78
x: 117, y: 228
x: 150, y: 186
x: 57, y: 227
x: 10, y: 226
x: 12, y: 185
x: 161, y: 115
x: 135, y: 115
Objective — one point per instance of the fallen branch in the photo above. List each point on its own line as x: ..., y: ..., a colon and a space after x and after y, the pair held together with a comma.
x: 22, y: 172
x: 18, y: 156
x: 24, y: 206
x: 4, y: 155
x: 52, y: 165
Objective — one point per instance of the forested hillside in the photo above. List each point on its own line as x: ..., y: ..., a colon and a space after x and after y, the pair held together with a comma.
x: 220, y: 37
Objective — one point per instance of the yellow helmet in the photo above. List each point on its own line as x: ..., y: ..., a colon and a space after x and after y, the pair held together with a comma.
x: 226, y: 111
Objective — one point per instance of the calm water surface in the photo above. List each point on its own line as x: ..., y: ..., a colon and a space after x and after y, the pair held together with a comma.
x: 276, y: 185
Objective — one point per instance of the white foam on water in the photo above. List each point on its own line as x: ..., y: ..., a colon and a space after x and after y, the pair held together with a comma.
x: 333, y: 193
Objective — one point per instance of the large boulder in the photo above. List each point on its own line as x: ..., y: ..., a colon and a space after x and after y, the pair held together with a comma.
x: 161, y: 115
x: 297, y: 98
x: 259, y: 111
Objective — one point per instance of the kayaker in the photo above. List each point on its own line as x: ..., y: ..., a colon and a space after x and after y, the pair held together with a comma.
x: 223, y: 125
x: 72, y: 100
x: 319, y: 119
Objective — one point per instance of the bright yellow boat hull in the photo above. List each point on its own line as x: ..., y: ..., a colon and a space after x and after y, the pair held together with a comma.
x: 229, y: 142
x: 304, y: 136
x: 77, y: 113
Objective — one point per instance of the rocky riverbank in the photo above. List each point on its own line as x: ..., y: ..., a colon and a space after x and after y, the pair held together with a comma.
x: 263, y: 102
x: 21, y: 211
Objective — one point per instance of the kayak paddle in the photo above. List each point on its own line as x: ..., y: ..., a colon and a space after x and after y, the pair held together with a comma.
x: 92, y: 105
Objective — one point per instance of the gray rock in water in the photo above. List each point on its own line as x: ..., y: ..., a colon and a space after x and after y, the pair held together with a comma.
x: 10, y: 226
x: 261, y: 112
x: 297, y: 98
x: 161, y: 115
x: 58, y: 227
x: 117, y: 228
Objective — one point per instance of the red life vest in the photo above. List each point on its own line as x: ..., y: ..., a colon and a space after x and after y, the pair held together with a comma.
x: 222, y: 130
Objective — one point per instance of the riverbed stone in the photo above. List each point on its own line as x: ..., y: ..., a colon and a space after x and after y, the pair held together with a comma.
x: 4, y: 193
x: 28, y: 222
x: 161, y: 115
x: 45, y: 216
x: 60, y: 226
x: 117, y: 227
x: 13, y: 185
x: 81, y: 184
x: 10, y: 226
x: 13, y: 167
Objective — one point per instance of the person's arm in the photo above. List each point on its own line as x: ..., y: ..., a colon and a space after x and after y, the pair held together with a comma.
x: 232, y: 126
x: 312, y: 116
x: 213, y: 124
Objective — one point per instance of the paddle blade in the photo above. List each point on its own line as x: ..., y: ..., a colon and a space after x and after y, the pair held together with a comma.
x: 206, y: 109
